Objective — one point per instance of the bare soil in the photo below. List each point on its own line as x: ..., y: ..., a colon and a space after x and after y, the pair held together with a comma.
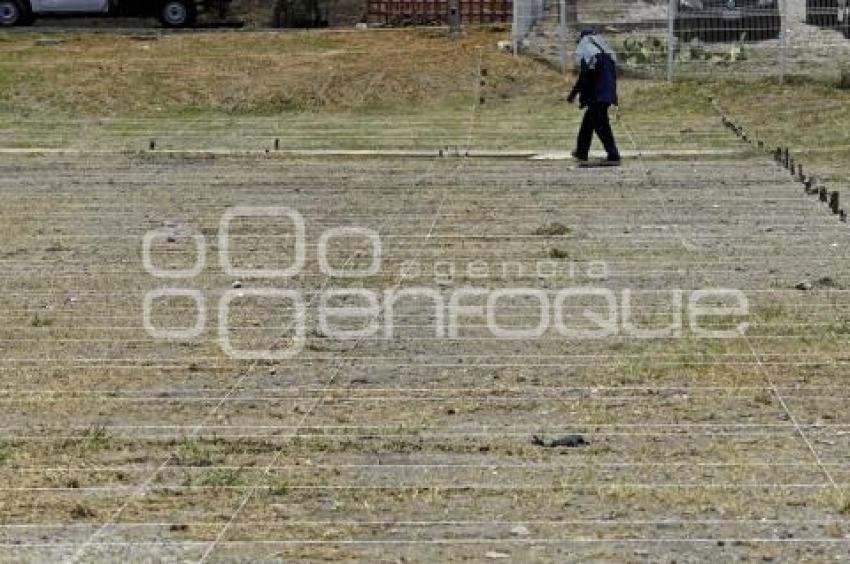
x: 116, y: 444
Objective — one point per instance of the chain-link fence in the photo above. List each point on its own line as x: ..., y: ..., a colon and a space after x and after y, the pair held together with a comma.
x: 776, y: 38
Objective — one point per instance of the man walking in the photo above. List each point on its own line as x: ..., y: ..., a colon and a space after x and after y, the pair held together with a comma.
x: 596, y: 88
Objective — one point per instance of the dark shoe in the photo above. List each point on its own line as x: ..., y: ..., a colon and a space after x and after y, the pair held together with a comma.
x: 599, y: 163
x: 576, y: 156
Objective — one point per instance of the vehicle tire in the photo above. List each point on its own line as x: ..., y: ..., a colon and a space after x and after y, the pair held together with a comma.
x: 177, y: 13
x: 11, y: 13
x: 27, y: 18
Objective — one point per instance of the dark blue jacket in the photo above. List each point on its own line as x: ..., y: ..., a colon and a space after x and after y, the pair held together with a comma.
x: 598, y: 85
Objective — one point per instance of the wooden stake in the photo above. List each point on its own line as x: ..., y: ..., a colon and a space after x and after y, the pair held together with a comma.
x: 833, y: 202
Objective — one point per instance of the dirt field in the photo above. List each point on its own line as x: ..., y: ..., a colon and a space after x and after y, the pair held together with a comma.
x: 411, y: 442
x: 118, y: 444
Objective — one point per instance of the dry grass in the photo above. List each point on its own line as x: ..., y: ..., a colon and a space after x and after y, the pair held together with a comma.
x: 812, y: 119
x: 260, y: 72
x: 382, y: 89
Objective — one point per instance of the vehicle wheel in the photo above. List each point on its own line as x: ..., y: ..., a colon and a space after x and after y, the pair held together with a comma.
x: 11, y: 13
x: 27, y: 18
x: 177, y: 13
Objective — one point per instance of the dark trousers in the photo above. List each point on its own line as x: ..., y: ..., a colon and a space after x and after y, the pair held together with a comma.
x: 596, y: 120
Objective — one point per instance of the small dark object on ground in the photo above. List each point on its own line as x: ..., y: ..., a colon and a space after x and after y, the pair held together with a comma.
x: 569, y: 441
x: 553, y: 229
x: 825, y: 282
x: 805, y: 286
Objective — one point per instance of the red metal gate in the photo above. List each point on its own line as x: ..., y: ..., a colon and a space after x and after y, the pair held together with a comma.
x: 425, y: 12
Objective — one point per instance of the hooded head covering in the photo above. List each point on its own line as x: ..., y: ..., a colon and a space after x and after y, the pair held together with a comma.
x: 590, y: 44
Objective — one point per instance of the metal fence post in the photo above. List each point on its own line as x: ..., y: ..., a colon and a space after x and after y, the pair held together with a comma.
x: 783, y: 39
x: 672, y: 8
x: 562, y: 34
x: 454, y: 17
x: 515, y: 5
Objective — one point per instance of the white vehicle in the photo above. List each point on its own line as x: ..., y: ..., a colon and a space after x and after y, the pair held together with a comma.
x: 172, y: 13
